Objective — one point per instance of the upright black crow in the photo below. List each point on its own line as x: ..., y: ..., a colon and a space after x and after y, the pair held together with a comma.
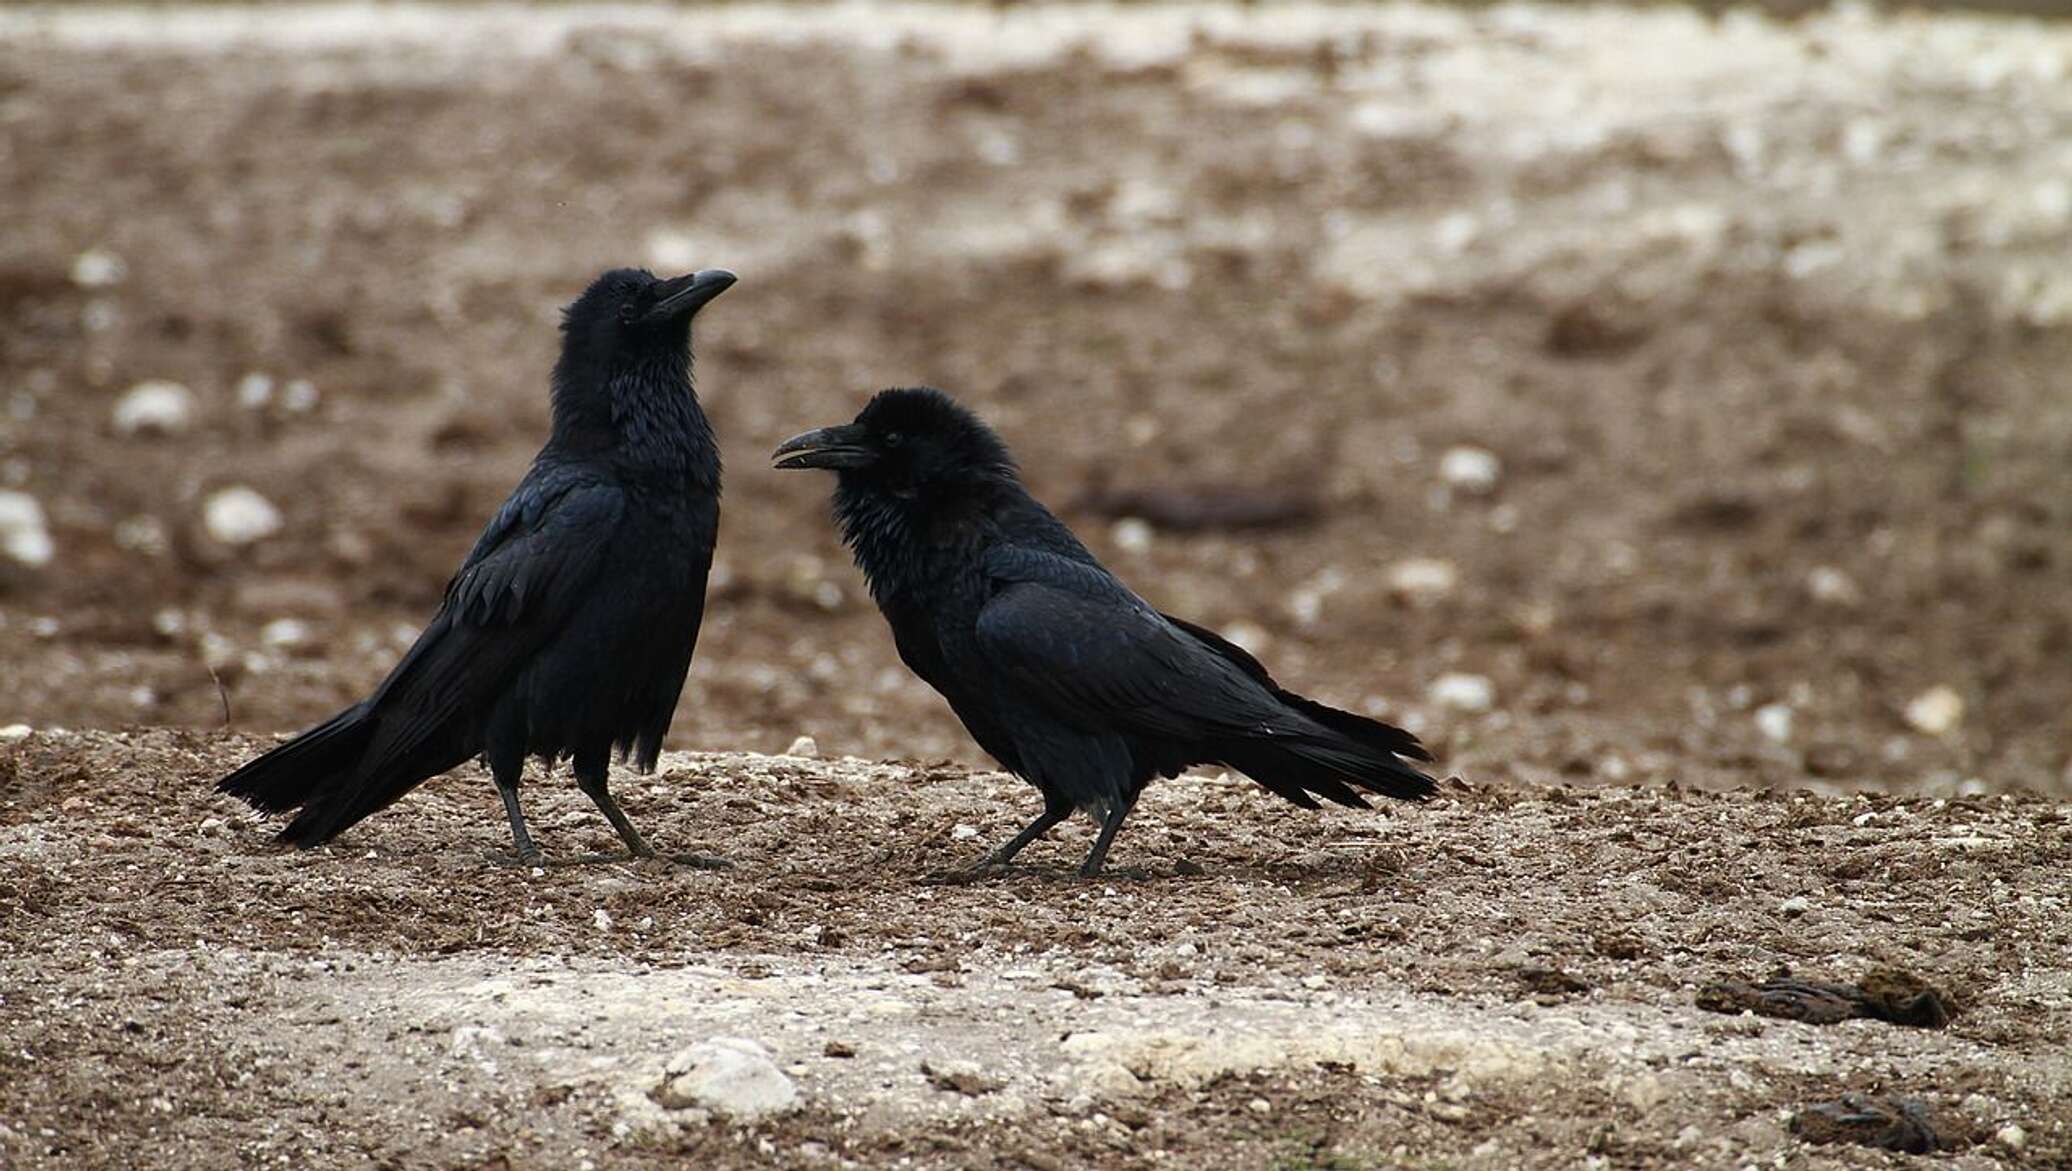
x: 1073, y: 682
x: 569, y: 628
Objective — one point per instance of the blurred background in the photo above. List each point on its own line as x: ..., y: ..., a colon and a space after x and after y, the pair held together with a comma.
x: 1610, y: 396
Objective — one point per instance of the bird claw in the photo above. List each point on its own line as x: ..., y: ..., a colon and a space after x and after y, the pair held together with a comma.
x: 531, y: 860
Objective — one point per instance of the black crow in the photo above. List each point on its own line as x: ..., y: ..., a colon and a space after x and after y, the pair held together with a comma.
x: 1067, y: 678
x: 569, y: 628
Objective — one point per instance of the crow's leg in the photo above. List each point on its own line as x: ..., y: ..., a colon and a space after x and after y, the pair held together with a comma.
x: 507, y: 773
x: 1110, y: 822
x: 1054, y: 811
x: 592, y: 769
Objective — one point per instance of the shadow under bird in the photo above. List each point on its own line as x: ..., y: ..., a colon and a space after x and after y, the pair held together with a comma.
x: 569, y: 629
x: 1057, y: 669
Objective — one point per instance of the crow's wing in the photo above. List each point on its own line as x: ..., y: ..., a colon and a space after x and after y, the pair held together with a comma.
x: 528, y: 572
x: 1079, y: 643
x: 1359, y: 727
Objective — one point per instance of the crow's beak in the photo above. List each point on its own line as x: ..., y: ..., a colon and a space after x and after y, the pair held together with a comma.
x: 846, y: 446
x: 685, y: 295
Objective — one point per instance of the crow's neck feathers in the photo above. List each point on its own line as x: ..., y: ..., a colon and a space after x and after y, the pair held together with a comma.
x: 636, y: 408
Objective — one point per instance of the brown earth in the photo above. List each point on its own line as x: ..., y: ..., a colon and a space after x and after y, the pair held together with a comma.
x: 1503, y: 978
x: 1765, y: 322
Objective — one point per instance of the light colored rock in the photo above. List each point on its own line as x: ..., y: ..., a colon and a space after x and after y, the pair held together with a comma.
x: 2012, y: 1136
x: 1795, y: 906
x: 601, y: 919
x: 1249, y: 635
x: 1131, y: 535
x: 16, y: 732
x: 803, y: 746
x: 156, y: 407
x: 1472, y: 470
x: 98, y: 268
x: 1773, y: 720
x: 962, y: 832
x: 729, y: 1075
x: 24, y: 533
x: 1936, y: 711
x: 285, y: 634
x: 240, y: 516
x: 1423, y: 579
x: 254, y: 391
x: 1464, y: 692
x: 1831, y: 587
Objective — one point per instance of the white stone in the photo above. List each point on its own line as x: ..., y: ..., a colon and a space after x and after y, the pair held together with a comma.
x: 963, y: 833
x: 1936, y: 711
x: 1131, y: 535
x: 98, y: 268
x: 1423, y: 579
x: 601, y: 919
x: 1795, y: 906
x: 1464, y: 692
x: 15, y: 732
x: 1773, y: 720
x: 254, y: 391
x: 2012, y: 1136
x: 240, y: 516
x: 1831, y: 587
x: 727, y: 1074
x: 24, y: 533
x: 1472, y: 470
x: 155, y: 407
x: 803, y: 746
x: 285, y: 634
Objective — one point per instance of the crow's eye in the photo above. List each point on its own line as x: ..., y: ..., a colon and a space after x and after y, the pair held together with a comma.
x: 627, y: 312
x: 894, y: 439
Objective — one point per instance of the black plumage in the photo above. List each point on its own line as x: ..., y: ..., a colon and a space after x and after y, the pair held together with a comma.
x: 569, y: 629
x: 1056, y: 668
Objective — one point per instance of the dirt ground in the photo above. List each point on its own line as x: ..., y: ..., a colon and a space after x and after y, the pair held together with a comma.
x: 1765, y: 324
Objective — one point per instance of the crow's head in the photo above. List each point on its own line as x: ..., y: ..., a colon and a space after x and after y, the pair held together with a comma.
x: 630, y: 309
x: 907, y: 442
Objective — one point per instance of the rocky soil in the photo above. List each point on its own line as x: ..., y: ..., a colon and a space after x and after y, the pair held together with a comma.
x: 1664, y: 414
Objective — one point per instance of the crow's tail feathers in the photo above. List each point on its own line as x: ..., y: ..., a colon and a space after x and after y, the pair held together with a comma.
x: 330, y: 774
x: 305, y: 768
x: 1335, y: 755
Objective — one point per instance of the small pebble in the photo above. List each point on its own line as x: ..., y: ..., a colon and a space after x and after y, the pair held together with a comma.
x: 1936, y: 711
x: 1795, y: 906
x: 601, y: 919
x: 2012, y: 1136
x: 803, y: 746
x: 24, y: 533
x: 1773, y: 720
x: 156, y: 407
x: 1131, y: 535
x: 240, y: 516
x: 15, y: 732
x: 1471, y: 470
x: 1463, y: 692
x: 285, y: 634
x: 1423, y: 579
x: 98, y: 268
x: 1259, y: 1106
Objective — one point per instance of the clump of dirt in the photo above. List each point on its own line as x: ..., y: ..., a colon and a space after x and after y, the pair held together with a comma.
x: 1895, y: 1124
x: 1888, y: 994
